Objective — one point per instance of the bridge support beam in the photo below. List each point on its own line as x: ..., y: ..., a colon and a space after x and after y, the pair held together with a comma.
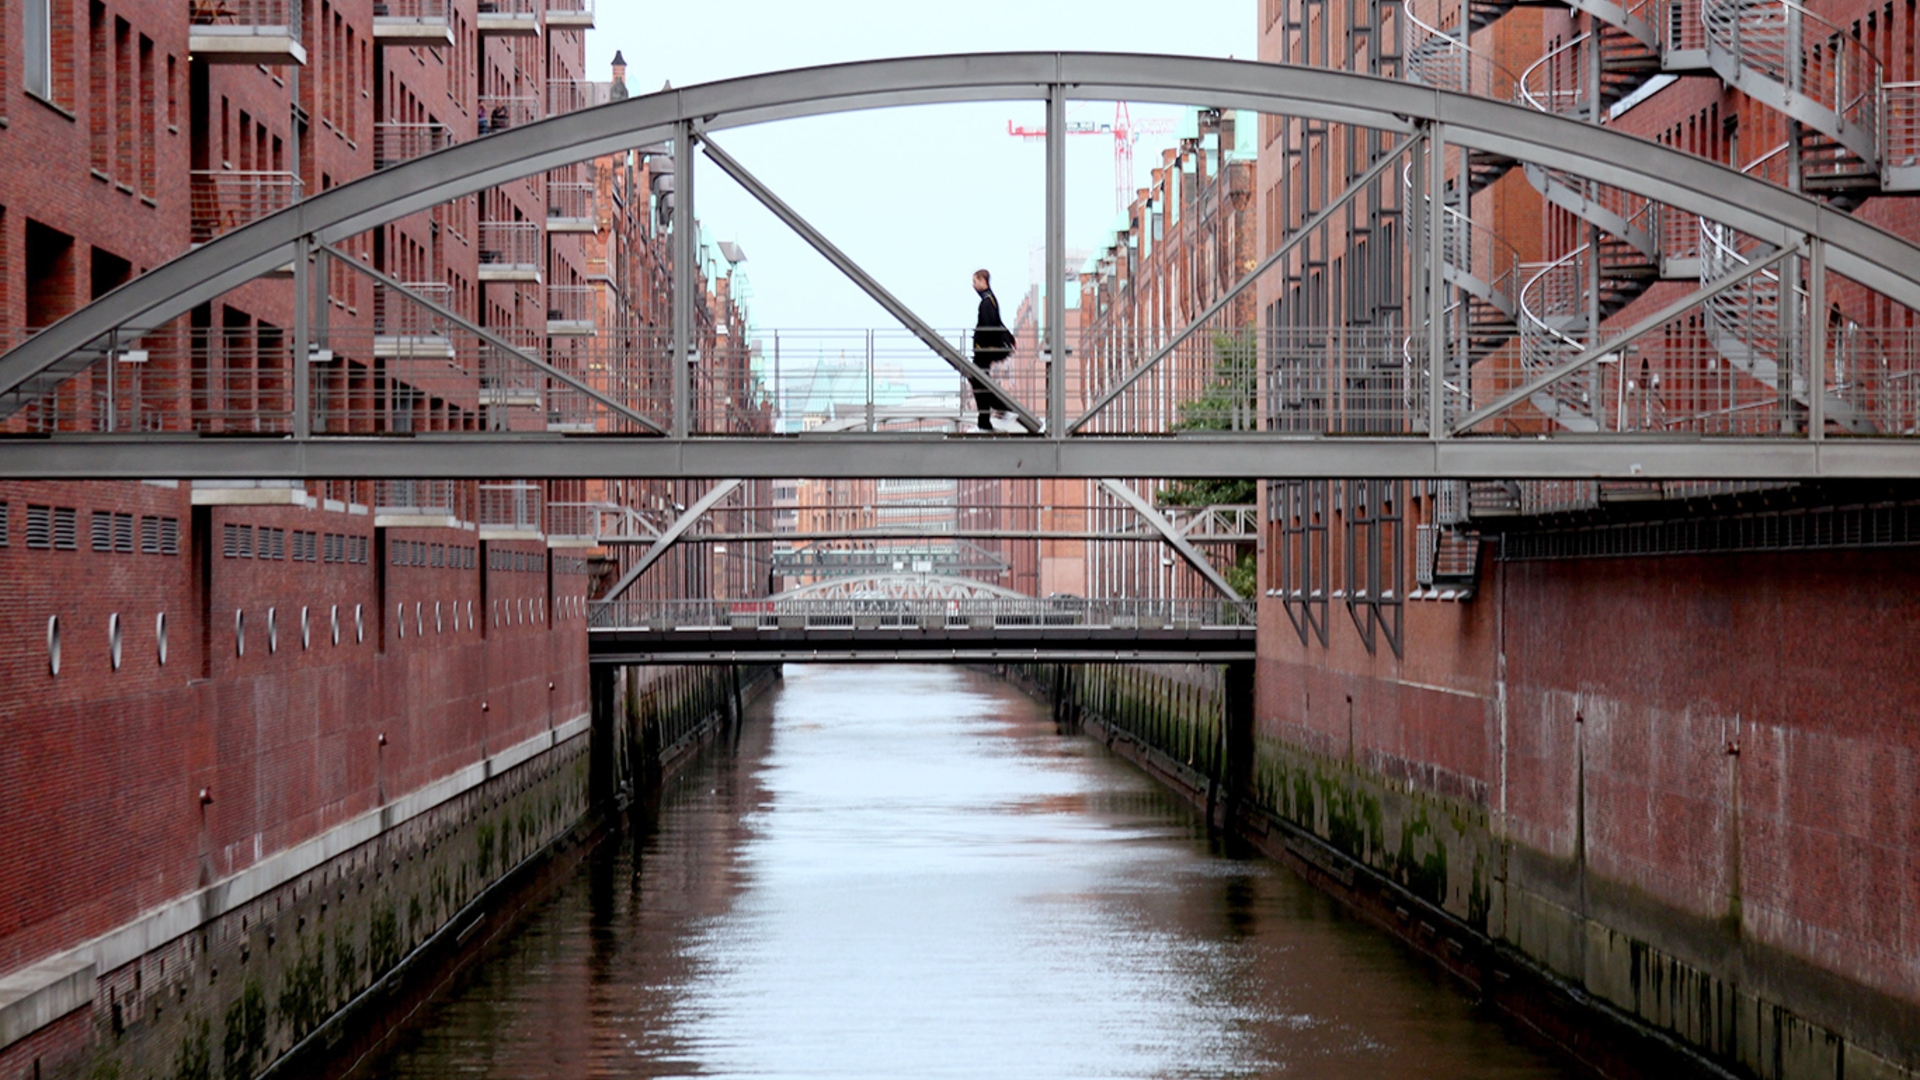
x: 1138, y: 503
x: 668, y: 538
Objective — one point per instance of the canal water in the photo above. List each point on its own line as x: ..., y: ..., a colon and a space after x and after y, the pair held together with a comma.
x: 907, y: 872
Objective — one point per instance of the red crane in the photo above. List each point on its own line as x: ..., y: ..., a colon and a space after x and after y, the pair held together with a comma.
x: 1125, y: 133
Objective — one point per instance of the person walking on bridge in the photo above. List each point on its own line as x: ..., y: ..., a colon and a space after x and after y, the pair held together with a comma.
x: 992, y: 343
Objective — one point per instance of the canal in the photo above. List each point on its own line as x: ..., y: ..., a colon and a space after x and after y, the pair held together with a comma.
x: 906, y: 871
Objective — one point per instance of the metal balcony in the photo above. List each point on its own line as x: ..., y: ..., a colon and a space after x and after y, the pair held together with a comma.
x: 570, y: 310
x: 498, y: 112
x: 224, y: 200
x: 507, y: 379
x: 512, y: 18
x: 511, y: 510
x: 403, y: 330
x: 570, y: 14
x: 509, y: 251
x: 245, y: 32
x: 420, y: 23
x: 571, y: 206
x: 571, y: 95
x: 1900, y: 136
x: 394, y: 143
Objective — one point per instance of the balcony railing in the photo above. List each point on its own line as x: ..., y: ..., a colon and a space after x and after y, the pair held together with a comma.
x: 571, y: 310
x: 570, y: 14
x: 509, y: 251
x: 498, y: 112
x: 428, y: 501
x: 572, y: 95
x: 515, y: 17
x: 571, y: 206
x: 411, y: 22
x: 511, y: 506
x: 224, y: 200
x: 404, y: 329
x: 1900, y: 136
x: 394, y: 143
x: 245, y: 31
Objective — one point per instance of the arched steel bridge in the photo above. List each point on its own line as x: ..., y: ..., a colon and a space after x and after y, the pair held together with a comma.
x: 1431, y: 429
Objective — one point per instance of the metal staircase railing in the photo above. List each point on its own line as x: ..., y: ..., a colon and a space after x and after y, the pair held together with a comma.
x: 1439, y: 59
x: 1791, y: 59
x: 1552, y: 312
x: 1562, y: 81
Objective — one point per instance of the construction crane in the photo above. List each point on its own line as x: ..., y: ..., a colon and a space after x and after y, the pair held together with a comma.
x: 1125, y: 133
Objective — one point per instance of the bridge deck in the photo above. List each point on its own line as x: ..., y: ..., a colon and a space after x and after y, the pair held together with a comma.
x: 915, y: 643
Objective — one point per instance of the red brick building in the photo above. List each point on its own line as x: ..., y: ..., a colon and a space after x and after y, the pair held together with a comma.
x: 264, y: 730
x: 1643, y: 738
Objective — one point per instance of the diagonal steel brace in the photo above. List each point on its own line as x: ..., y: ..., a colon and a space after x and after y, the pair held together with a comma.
x: 1300, y: 236
x: 1138, y: 503
x: 1594, y: 353
x: 671, y: 536
x: 919, y: 327
x: 490, y: 338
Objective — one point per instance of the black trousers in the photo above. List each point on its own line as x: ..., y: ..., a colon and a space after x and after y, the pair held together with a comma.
x: 985, y: 400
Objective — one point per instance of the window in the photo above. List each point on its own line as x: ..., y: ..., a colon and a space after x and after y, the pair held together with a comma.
x: 359, y: 548
x: 38, y: 46
x: 5, y: 538
x: 273, y: 543
x: 66, y: 528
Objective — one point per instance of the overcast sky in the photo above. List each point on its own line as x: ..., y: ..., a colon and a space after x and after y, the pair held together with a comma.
x: 922, y: 196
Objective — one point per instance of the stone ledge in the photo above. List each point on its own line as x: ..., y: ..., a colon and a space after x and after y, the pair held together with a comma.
x: 35, y: 996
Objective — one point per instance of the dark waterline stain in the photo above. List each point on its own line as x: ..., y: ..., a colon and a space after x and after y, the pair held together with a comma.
x: 906, y: 872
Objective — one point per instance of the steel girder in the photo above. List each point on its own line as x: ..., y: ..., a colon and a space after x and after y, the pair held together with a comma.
x: 1252, y: 456
x: 1856, y: 250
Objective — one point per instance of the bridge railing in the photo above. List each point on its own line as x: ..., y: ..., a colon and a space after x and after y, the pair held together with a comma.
x: 880, y: 613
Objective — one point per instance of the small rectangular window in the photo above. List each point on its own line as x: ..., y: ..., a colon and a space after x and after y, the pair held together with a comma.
x: 360, y: 550
x: 102, y: 531
x: 278, y: 539
x: 39, y: 526
x: 246, y: 540
x: 5, y: 533
x: 66, y: 528
x: 123, y: 533
x: 149, y: 535
x: 169, y: 536
x: 230, y: 541
x: 38, y: 20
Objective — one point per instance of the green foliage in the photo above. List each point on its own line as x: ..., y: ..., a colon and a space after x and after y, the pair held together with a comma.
x: 1227, y: 404
x: 1244, y: 574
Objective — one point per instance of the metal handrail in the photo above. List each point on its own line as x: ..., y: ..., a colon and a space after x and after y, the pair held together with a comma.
x: 891, y: 613
x: 1440, y: 60
x: 1833, y: 71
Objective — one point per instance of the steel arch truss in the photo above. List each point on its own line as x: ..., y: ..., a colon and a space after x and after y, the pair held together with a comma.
x: 1423, y: 121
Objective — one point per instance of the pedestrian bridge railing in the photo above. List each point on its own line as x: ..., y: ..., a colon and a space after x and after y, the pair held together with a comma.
x: 986, y: 614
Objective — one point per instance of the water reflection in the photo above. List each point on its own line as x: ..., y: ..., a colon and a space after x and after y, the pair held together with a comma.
x: 905, y: 872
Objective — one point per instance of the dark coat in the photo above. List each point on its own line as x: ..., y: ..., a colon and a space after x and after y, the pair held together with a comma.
x: 992, y: 341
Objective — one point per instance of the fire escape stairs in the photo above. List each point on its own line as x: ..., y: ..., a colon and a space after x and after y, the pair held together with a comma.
x: 1814, y: 73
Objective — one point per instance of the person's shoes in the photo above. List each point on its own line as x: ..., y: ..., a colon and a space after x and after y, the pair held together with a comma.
x: 986, y: 423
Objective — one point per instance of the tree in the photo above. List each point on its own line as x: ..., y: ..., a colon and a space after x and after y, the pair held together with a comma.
x: 1228, y: 403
